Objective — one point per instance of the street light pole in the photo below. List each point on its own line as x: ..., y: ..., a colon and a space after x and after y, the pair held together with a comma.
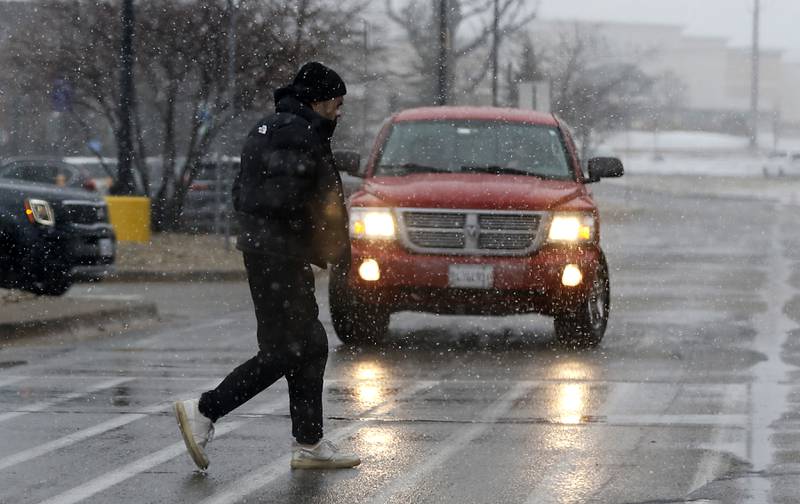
x: 231, y: 53
x: 231, y: 98
x: 754, y: 77
x: 495, y: 48
x: 365, y: 79
x: 124, y: 183
x: 444, y: 53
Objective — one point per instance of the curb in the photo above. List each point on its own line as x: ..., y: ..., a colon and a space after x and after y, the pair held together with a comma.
x: 131, y: 276
x: 71, y: 321
x: 176, y: 276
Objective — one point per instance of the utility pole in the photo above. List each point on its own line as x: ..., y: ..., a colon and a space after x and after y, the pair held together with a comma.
x: 754, y: 78
x: 365, y: 78
x: 444, y: 54
x: 124, y: 183
x: 227, y: 162
x: 495, y: 48
x: 231, y: 56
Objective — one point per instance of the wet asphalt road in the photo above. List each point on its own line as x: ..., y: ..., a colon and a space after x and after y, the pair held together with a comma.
x: 694, y: 395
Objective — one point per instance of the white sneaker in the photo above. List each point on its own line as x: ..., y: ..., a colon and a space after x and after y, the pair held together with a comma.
x: 323, y: 455
x: 197, y: 430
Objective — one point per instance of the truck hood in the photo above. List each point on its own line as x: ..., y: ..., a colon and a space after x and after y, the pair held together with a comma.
x: 474, y: 191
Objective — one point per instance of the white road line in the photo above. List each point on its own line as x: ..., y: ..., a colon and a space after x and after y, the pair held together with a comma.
x: 255, y: 480
x: 127, y: 471
x: 710, y: 465
x: 154, y: 340
x: 721, y: 420
x: 622, y: 397
x: 453, y: 444
x: 136, y: 467
x: 9, y: 380
x: 96, y: 430
x: 63, y: 398
x: 108, y: 297
x: 768, y: 400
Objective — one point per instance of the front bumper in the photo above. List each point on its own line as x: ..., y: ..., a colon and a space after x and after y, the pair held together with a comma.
x: 521, y: 284
x: 83, y: 251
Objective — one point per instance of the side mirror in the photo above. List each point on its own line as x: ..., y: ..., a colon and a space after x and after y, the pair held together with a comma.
x: 348, y: 161
x: 604, y: 167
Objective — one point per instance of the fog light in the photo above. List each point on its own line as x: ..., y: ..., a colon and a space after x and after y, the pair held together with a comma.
x: 572, y: 276
x: 369, y: 270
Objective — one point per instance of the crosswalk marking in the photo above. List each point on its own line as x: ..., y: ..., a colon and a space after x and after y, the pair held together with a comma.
x: 96, y: 430
x: 454, y: 443
x: 263, y: 476
x: 159, y: 338
x: 43, y: 405
x: 127, y: 471
x: 10, y: 380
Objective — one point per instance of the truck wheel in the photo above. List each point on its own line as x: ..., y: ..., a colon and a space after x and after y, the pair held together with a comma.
x: 51, y: 287
x: 355, y: 323
x: 585, y: 326
x: 53, y: 280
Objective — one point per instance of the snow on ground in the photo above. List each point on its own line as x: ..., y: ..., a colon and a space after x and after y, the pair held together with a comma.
x: 724, y: 165
x: 691, y: 142
x: 684, y: 162
x: 674, y: 141
x: 780, y: 190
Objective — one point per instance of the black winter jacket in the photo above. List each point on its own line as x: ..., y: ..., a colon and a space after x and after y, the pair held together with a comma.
x: 288, y: 194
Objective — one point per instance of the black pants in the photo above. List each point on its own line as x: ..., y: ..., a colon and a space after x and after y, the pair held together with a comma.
x: 291, y: 342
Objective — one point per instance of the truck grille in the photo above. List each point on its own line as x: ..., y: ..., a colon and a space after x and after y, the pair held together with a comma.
x: 470, y: 232
x: 83, y: 212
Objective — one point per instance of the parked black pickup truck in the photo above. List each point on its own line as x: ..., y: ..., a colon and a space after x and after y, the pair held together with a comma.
x: 52, y: 236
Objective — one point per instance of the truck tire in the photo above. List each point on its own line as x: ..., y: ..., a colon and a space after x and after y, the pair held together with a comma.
x: 585, y: 325
x: 51, y: 287
x: 54, y: 280
x: 355, y: 323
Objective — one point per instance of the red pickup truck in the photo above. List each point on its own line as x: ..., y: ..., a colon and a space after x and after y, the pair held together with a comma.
x: 474, y: 210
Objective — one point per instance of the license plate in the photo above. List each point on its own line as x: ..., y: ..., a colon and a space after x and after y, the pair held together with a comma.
x: 106, y: 247
x: 470, y: 276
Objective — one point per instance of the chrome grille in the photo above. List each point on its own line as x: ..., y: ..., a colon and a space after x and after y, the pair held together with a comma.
x: 505, y: 241
x: 470, y: 232
x: 432, y: 239
x: 509, y: 222
x: 436, y: 220
x: 83, y: 212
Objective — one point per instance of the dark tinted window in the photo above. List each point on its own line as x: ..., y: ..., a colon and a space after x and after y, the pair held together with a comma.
x: 43, y: 174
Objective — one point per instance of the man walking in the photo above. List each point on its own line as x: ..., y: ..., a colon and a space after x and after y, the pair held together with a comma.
x: 290, y: 206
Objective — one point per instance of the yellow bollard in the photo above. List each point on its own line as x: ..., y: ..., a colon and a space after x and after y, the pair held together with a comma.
x: 130, y: 217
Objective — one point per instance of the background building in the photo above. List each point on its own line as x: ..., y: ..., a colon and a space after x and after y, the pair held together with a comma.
x: 712, y: 78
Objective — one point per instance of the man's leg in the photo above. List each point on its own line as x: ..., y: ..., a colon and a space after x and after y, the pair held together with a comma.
x: 195, y: 418
x: 309, y: 345
x: 305, y: 387
x: 271, y: 282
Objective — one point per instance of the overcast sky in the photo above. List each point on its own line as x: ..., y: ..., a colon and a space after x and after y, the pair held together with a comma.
x: 732, y: 19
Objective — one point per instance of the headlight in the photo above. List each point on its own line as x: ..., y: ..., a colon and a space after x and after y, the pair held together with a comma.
x: 572, y: 228
x: 371, y: 223
x: 40, y: 212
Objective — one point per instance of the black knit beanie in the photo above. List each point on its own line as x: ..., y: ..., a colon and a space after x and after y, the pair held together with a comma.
x: 315, y: 82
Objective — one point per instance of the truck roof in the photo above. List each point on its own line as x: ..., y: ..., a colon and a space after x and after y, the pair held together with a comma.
x: 477, y: 114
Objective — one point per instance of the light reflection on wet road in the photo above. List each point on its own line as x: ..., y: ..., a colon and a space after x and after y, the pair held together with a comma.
x: 692, y: 397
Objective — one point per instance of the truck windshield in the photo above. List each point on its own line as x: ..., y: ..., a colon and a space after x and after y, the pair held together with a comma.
x: 474, y: 147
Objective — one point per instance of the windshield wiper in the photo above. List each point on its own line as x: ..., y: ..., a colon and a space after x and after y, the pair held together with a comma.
x: 415, y: 168
x: 497, y: 169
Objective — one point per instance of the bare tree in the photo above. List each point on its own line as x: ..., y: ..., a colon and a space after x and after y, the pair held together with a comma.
x: 182, y: 92
x: 591, y: 89
x: 418, y: 21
